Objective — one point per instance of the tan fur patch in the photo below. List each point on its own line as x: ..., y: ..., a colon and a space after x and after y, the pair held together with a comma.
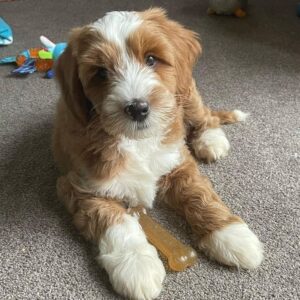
x: 191, y: 195
x: 92, y: 215
x: 225, y: 117
x: 185, y: 46
x: 150, y: 40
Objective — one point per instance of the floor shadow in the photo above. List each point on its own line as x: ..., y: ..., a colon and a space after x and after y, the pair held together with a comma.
x: 28, y: 167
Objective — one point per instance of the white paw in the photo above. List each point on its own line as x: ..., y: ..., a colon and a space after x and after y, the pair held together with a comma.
x: 133, y: 265
x: 240, y: 115
x: 211, y: 145
x: 234, y: 245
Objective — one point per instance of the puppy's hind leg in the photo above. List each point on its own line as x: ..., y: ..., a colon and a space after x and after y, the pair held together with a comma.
x: 133, y: 265
x: 208, y: 140
x: 212, y: 144
x: 230, y: 117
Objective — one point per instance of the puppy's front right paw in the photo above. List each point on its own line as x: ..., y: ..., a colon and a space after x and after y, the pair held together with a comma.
x: 133, y: 265
x: 136, y: 274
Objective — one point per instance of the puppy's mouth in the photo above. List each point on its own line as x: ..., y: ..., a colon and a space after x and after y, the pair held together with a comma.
x: 141, y: 125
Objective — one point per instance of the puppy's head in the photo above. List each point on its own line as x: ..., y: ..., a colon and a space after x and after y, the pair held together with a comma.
x: 128, y: 67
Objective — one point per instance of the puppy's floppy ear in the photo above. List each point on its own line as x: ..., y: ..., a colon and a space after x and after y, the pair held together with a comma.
x: 185, y: 43
x: 187, y: 50
x: 68, y: 78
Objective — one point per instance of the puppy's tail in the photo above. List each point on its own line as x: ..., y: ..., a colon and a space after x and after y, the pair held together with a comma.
x: 230, y: 117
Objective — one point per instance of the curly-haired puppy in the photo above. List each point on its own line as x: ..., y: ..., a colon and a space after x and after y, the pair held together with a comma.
x: 128, y: 109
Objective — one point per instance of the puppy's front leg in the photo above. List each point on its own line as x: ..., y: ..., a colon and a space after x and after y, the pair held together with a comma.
x: 222, y: 235
x: 132, y: 264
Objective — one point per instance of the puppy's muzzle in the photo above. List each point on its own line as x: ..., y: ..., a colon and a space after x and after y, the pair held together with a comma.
x: 138, y: 110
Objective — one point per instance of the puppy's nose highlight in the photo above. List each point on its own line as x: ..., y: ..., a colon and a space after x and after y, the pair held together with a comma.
x: 138, y: 110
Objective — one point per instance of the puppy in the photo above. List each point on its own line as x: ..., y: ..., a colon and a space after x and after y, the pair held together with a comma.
x: 128, y: 109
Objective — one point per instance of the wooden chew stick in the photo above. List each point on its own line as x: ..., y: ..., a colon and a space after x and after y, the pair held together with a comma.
x: 179, y: 256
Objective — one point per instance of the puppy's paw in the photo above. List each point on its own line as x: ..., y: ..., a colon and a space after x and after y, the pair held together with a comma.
x: 136, y: 274
x: 133, y: 265
x: 234, y: 245
x: 211, y: 145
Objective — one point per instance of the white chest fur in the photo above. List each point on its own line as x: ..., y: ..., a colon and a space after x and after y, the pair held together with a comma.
x: 148, y: 160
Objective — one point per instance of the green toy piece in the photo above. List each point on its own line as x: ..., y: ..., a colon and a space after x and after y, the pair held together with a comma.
x: 45, y: 54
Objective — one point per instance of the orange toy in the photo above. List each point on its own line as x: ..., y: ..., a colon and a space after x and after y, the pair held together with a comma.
x: 43, y: 65
x: 24, y: 55
x: 179, y: 256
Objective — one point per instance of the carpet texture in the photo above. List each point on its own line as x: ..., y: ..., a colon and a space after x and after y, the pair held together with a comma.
x: 251, y: 64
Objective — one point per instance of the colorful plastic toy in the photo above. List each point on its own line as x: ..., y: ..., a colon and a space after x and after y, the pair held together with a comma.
x: 40, y: 59
x: 228, y: 7
x: 179, y: 256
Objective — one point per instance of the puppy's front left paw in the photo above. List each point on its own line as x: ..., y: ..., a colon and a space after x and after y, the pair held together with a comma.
x: 211, y: 145
x: 234, y: 245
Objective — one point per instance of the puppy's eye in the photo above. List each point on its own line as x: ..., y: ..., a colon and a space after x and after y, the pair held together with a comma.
x: 102, y: 73
x: 150, y: 60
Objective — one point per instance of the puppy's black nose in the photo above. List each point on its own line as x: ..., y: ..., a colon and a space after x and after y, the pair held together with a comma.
x: 138, y: 110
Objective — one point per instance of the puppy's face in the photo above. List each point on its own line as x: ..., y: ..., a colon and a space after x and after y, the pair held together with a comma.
x: 129, y: 66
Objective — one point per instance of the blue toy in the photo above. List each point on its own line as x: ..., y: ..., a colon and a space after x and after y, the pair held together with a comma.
x: 55, y: 49
x: 6, y: 35
x: 49, y: 74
